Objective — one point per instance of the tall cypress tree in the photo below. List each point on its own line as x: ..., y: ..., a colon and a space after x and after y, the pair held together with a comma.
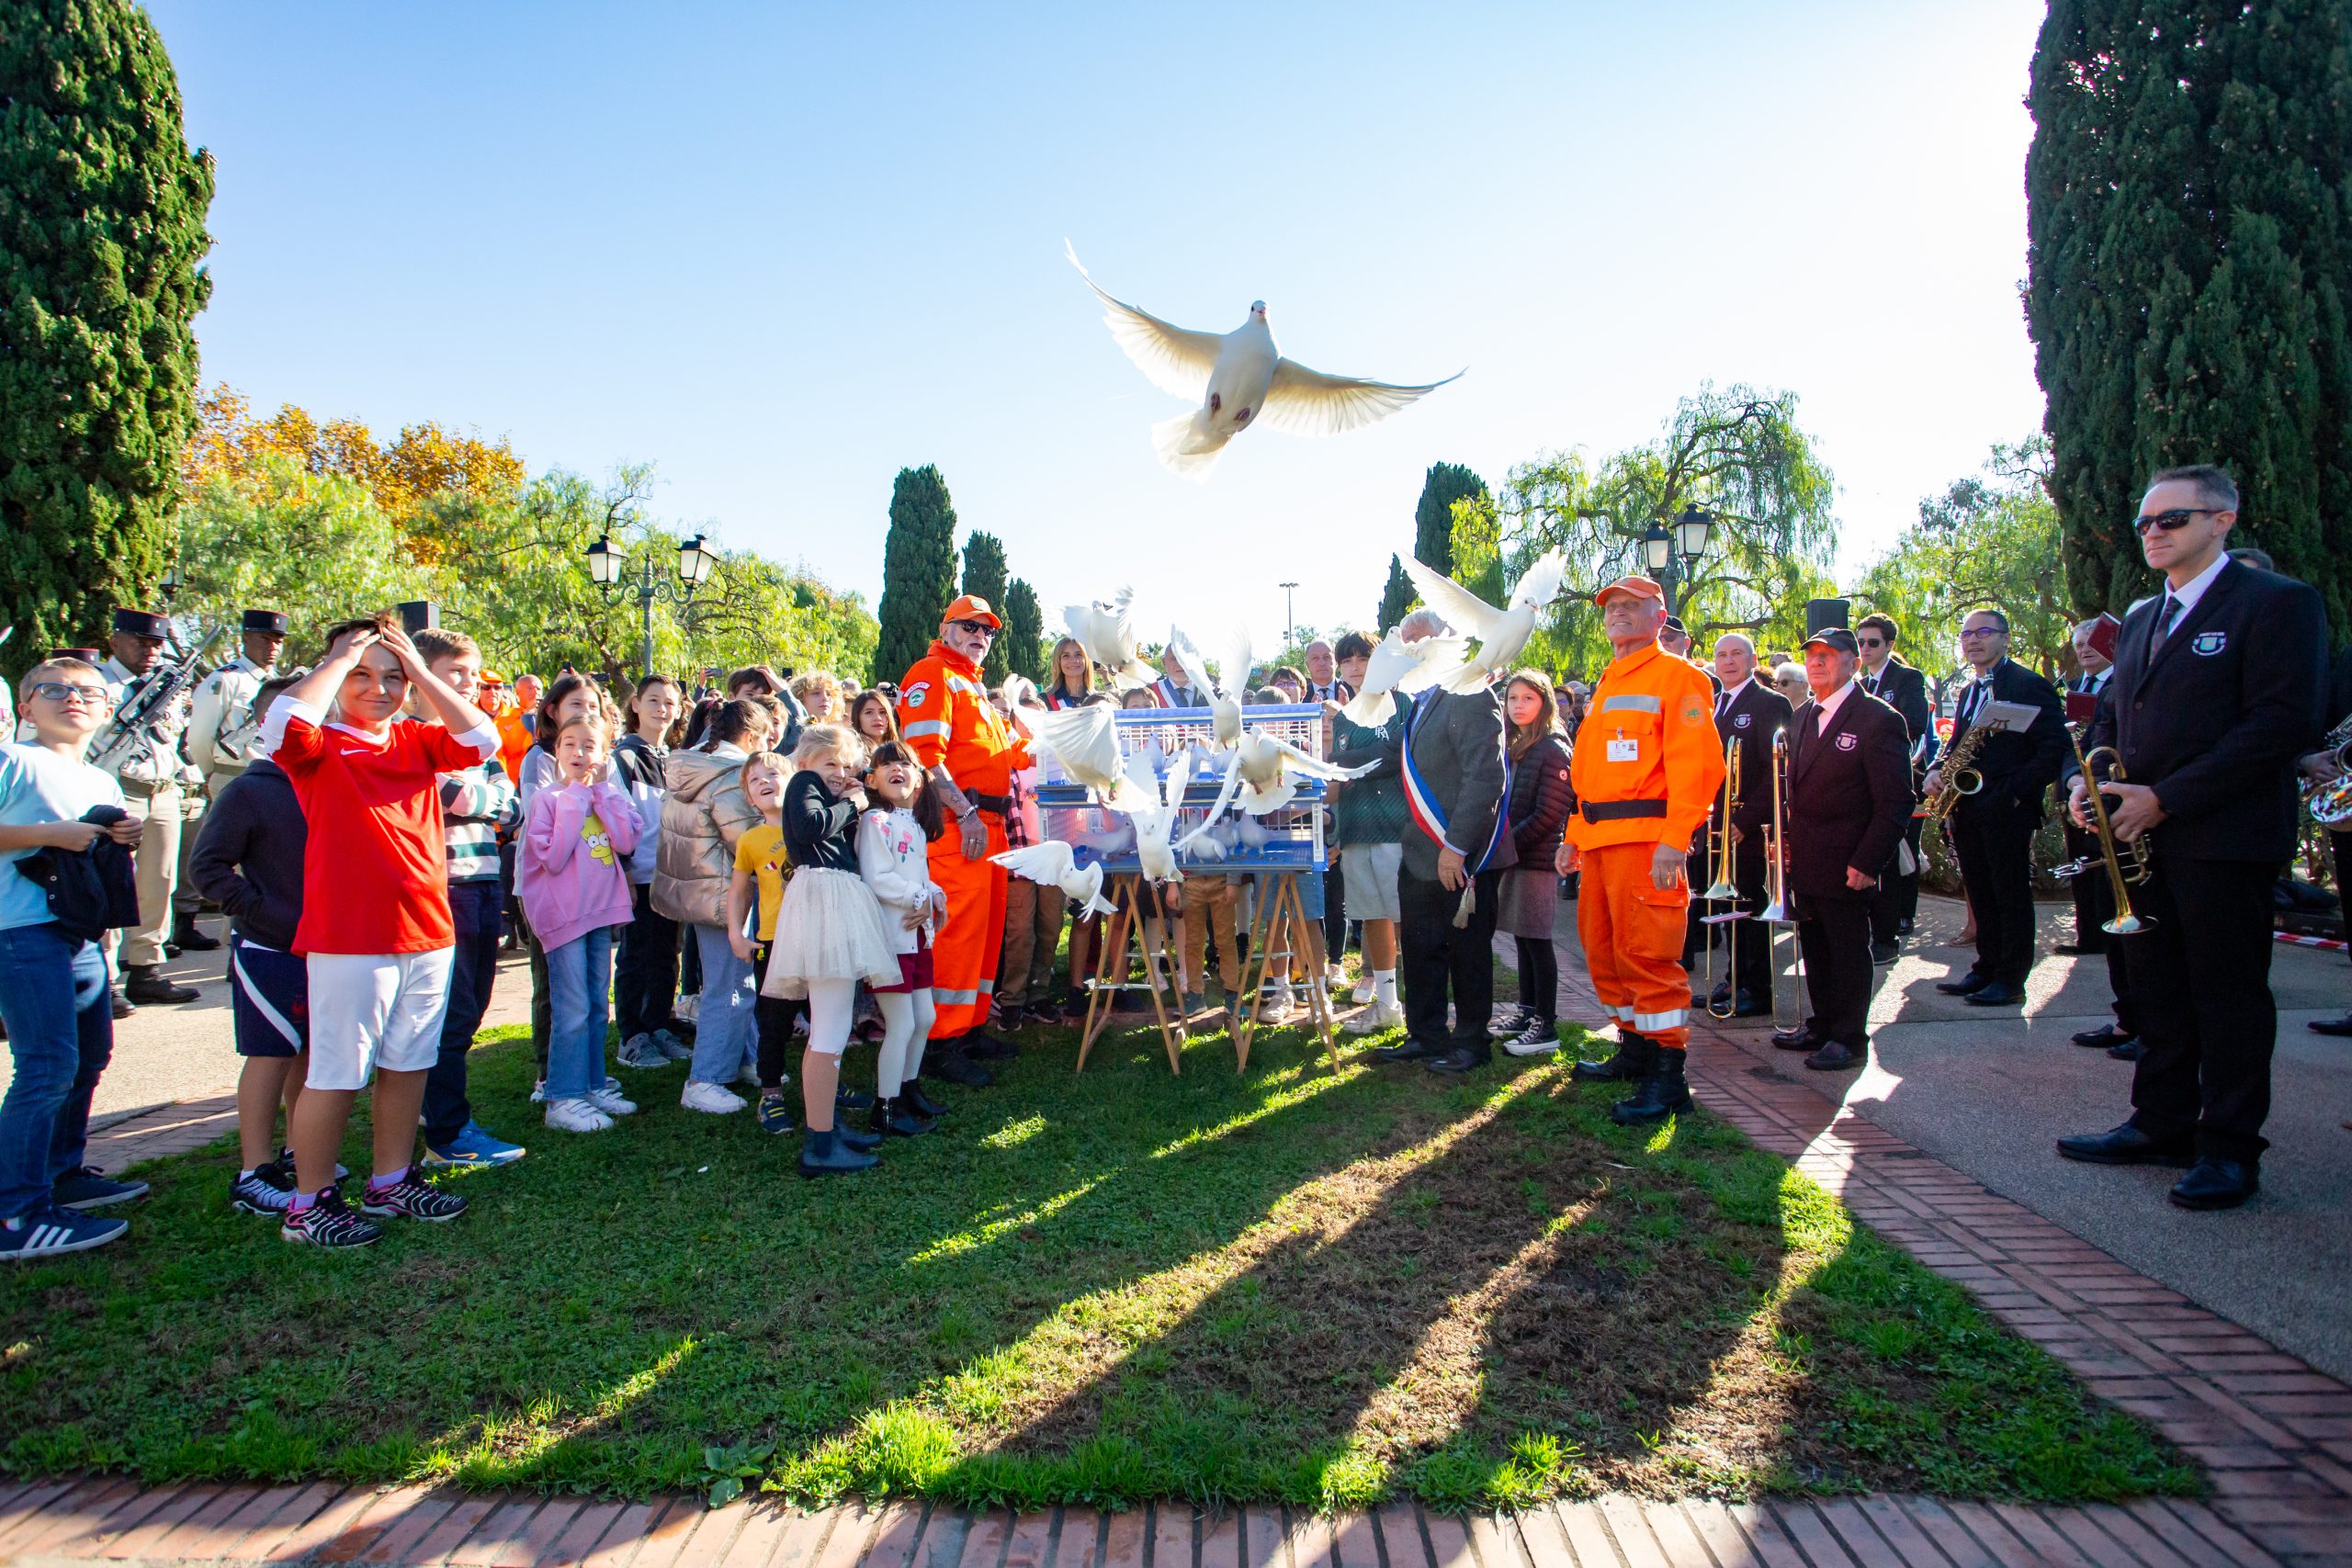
x: 2190, y: 248
x: 1024, y: 642
x: 984, y: 573
x: 102, y: 206
x: 917, y: 569
x: 1433, y: 516
x: 1395, y: 599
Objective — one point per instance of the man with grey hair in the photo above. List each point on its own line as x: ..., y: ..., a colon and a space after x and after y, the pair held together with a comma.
x: 1748, y: 713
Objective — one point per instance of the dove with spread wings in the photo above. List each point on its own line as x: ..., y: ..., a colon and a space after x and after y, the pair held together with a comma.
x: 1107, y: 633
x: 1242, y: 379
x: 1055, y: 864
x: 1500, y: 633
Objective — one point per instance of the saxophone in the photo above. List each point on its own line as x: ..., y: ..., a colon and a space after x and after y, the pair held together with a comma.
x: 1959, y: 777
x: 2331, y: 802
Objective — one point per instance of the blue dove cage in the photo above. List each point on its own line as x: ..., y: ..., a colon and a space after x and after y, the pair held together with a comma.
x: 1290, y: 839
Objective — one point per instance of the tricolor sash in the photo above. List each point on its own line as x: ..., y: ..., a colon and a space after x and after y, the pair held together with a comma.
x: 1428, y: 814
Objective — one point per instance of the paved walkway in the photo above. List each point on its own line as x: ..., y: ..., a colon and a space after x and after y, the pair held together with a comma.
x: 2275, y: 1434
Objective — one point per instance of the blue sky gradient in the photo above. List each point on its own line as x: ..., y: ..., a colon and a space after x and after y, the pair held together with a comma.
x: 782, y: 250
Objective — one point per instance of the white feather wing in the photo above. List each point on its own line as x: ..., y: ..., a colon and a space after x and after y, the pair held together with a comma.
x: 1308, y: 402
x: 1463, y: 610
x: 1541, y: 583
x: 1173, y: 359
x: 1197, y: 675
x: 1046, y: 864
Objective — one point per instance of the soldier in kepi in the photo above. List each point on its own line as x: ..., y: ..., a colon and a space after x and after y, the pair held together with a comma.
x: 222, y: 730
x: 141, y: 747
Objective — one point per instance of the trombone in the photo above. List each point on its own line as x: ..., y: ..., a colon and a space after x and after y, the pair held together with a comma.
x: 1776, y: 912
x: 1723, y: 888
x: 2120, y: 875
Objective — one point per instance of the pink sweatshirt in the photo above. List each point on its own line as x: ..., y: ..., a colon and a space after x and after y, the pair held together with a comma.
x: 571, y: 867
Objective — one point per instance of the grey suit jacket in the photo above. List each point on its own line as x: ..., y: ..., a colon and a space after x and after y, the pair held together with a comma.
x: 1457, y: 749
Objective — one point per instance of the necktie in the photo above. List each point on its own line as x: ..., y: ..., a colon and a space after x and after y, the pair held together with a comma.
x: 2170, y: 613
x: 1723, y: 700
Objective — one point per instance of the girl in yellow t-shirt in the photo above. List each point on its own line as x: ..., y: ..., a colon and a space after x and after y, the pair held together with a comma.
x: 762, y: 862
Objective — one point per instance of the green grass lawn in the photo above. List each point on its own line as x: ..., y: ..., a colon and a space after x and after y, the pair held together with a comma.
x: 1099, y: 1288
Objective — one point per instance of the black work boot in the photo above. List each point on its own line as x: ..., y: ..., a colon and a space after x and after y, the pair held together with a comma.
x: 1630, y: 1063
x: 921, y: 1103
x: 144, y: 986
x: 1662, y: 1093
x: 824, y: 1154
x: 946, y: 1061
x: 894, y: 1118
x: 188, y: 938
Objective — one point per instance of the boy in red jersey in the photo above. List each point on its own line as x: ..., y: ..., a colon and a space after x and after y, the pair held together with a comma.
x: 376, y: 934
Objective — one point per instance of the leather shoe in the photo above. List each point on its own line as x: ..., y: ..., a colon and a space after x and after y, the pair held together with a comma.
x: 952, y: 1066
x: 2340, y: 1027
x: 987, y: 1048
x: 1460, y: 1059
x: 2215, y: 1183
x: 143, y: 985
x: 1407, y: 1050
x: 2000, y: 993
x: 2105, y: 1036
x: 2130, y: 1051
x: 188, y: 938
x: 1966, y: 984
x: 1798, y: 1038
x: 2127, y: 1145
x: 122, y: 1007
x: 1751, y: 1007
x: 1835, y: 1056
x: 1885, y: 952
x: 2081, y: 948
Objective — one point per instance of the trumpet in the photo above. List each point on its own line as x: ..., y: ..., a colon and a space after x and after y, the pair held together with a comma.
x: 1777, y: 914
x: 1724, y: 889
x: 2331, y: 802
x: 2120, y: 875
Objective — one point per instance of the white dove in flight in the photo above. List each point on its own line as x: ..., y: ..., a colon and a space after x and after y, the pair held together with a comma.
x: 1501, y: 633
x: 1225, y: 701
x: 1264, y: 775
x: 1107, y: 633
x: 1087, y: 741
x: 1395, y: 666
x: 1152, y: 805
x: 1240, y: 378
x: 1052, y: 864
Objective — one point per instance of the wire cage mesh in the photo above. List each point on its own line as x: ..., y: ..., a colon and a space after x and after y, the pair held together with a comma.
x: 1290, y: 839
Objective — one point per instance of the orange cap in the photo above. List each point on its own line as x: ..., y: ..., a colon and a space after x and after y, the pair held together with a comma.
x: 972, y: 607
x: 1636, y: 585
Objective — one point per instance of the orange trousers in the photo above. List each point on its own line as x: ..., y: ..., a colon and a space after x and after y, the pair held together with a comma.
x: 964, y: 956
x: 1632, y: 942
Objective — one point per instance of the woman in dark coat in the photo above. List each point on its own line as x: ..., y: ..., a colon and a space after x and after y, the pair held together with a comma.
x: 1537, y: 811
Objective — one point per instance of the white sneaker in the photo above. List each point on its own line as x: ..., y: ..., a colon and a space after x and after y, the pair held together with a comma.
x: 577, y: 1116
x: 1366, y: 988
x: 748, y: 1075
x: 1373, y: 1020
x: 611, y: 1105
x: 540, y: 1093
x: 1334, y: 976
x: 612, y: 1085
x: 709, y: 1098
x: 642, y: 1051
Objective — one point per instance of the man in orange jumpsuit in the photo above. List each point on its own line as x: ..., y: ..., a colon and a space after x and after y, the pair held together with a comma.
x: 943, y: 714
x: 1646, y: 768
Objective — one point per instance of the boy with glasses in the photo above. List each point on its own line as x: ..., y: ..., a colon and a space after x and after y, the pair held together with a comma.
x: 52, y: 981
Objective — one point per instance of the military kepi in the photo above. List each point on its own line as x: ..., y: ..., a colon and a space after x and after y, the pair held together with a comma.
x: 141, y: 623
x: 270, y: 620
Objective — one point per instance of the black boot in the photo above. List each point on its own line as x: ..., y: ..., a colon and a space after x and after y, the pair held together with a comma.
x: 142, y: 985
x: 851, y: 1138
x: 188, y: 938
x: 1662, y: 1093
x: 921, y: 1103
x: 1630, y: 1064
x: 948, y: 1064
x: 894, y: 1118
x: 824, y: 1154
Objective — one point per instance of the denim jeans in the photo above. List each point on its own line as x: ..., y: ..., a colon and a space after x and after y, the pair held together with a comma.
x: 580, y: 973
x: 61, y: 1032
x: 723, y: 1031
x: 478, y: 911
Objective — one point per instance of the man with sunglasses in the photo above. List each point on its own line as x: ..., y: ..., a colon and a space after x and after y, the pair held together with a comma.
x: 1885, y: 676
x: 1992, y: 829
x: 2217, y: 690
x: 971, y: 753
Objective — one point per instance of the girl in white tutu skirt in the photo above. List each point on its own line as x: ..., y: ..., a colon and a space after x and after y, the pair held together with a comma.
x: 830, y: 934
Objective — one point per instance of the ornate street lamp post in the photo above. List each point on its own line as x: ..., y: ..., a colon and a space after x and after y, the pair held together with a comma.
x: 609, y: 569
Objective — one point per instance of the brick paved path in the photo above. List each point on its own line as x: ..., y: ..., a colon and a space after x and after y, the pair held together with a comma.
x: 2275, y: 1434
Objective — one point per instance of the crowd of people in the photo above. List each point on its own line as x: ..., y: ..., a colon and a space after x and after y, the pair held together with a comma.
x: 715, y: 874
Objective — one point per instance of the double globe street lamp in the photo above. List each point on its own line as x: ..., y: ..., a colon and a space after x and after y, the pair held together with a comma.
x: 609, y: 568
x: 1687, y: 540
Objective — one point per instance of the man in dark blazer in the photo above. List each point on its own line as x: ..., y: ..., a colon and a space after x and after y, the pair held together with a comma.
x: 2093, y: 643
x: 2219, y: 682
x: 1992, y: 829
x: 1450, y: 750
x: 1749, y: 712
x: 1883, y: 673
x: 1849, y: 795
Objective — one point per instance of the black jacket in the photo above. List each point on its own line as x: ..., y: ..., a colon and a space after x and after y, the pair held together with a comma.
x: 1457, y: 749
x: 1849, y: 794
x: 2019, y: 769
x: 1752, y: 719
x: 819, y: 829
x: 90, y: 892
x: 2216, y: 716
x: 1904, y: 689
x: 248, y: 859
x: 637, y: 762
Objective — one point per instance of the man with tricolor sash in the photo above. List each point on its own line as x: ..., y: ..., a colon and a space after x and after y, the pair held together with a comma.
x: 1450, y: 756
x: 1646, y: 768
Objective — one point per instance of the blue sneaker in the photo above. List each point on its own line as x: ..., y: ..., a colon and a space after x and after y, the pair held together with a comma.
x: 51, y: 1231
x: 86, y: 1187
x: 474, y: 1144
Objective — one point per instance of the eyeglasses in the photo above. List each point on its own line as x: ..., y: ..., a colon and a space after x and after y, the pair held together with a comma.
x: 60, y: 691
x: 1969, y: 635
x: 976, y: 628
x: 2176, y: 518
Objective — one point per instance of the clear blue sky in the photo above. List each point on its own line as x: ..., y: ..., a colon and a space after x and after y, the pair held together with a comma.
x: 782, y: 250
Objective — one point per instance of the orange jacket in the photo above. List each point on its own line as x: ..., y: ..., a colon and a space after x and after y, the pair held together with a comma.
x: 944, y: 714
x: 514, y: 740
x: 1649, y: 749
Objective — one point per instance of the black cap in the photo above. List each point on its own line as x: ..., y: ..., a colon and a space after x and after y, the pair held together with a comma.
x: 86, y: 655
x: 1838, y: 638
x: 1674, y: 624
x: 141, y: 623
x: 270, y: 620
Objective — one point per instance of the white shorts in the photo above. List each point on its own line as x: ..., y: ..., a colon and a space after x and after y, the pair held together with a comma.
x: 376, y: 1010
x: 1368, y: 871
